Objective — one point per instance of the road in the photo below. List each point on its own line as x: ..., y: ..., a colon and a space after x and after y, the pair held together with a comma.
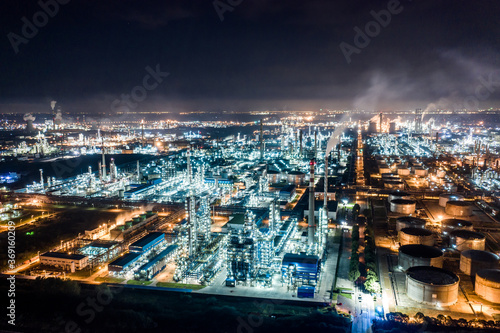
x: 364, y: 312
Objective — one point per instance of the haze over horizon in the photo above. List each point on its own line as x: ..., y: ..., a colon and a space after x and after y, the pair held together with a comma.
x: 280, y: 55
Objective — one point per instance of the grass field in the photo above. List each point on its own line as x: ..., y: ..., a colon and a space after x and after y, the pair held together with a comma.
x: 179, y: 285
x: 139, y: 283
x: 109, y: 279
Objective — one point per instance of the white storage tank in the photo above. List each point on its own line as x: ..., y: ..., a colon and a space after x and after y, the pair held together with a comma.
x: 488, y: 285
x: 409, y: 222
x: 415, y: 236
x: 448, y: 225
x: 296, y: 177
x: 273, y: 176
x: 403, y: 206
x: 472, y: 261
x: 463, y: 240
x: 440, y: 173
x: 384, y: 168
x: 432, y: 285
x: 445, y: 197
x: 398, y: 195
x: 421, y: 172
x: 458, y: 208
x: 403, y: 171
x: 394, y: 185
x: 419, y: 255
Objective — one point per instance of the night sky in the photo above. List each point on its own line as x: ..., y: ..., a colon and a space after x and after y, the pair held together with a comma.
x: 263, y: 55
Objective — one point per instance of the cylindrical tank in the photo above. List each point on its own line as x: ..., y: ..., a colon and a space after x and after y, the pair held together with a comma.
x: 458, y: 208
x: 448, y: 225
x: 416, y: 236
x: 432, y: 285
x: 403, y: 206
x: 463, y: 240
x: 421, y: 172
x: 273, y: 176
x: 440, y: 173
x: 398, y: 195
x: 409, y: 222
x: 296, y: 177
x: 129, y: 223
x: 472, y: 261
x: 394, y: 185
x: 488, y: 284
x: 121, y: 193
x: 384, y: 168
x: 403, y: 171
x: 445, y: 197
x: 419, y: 255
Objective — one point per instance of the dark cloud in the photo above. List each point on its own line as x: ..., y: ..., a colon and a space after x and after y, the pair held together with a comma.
x: 265, y: 55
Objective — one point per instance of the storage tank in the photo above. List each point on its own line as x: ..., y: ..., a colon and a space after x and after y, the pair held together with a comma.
x: 458, y: 208
x: 403, y: 206
x: 394, y: 185
x: 419, y: 255
x: 296, y: 177
x: 448, y: 225
x: 403, y: 171
x: 416, y: 236
x: 432, y: 285
x: 445, y: 197
x: 440, y: 173
x: 273, y: 176
x: 488, y: 284
x: 384, y: 168
x: 421, y: 172
x: 463, y: 240
x: 472, y: 261
x: 409, y: 222
x: 398, y: 195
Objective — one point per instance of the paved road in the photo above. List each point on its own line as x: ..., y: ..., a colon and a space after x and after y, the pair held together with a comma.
x: 364, y: 312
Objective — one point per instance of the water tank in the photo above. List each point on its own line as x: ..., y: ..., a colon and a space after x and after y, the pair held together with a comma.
x: 409, y: 222
x: 419, y: 255
x: 463, y: 240
x: 296, y: 177
x: 458, y: 208
x: 488, y: 285
x: 432, y: 285
x: 394, y: 185
x: 445, y: 197
x: 398, y: 195
x: 448, y: 225
x: 421, y: 172
x: 273, y: 176
x: 415, y: 236
x: 440, y: 173
x: 472, y: 261
x: 403, y: 206
x: 403, y: 171
x: 384, y: 168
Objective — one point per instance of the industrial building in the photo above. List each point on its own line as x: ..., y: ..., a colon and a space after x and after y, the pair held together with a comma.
x: 65, y: 261
x: 156, y: 264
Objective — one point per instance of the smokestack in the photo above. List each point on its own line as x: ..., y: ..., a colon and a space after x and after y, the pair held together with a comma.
x: 315, y: 143
x: 103, y: 160
x: 380, y: 122
x: 138, y: 171
x: 188, y: 154
x: 99, y: 167
x: 41, y: 178
x: 261, y: 137
x: 311, y: 221
x: 301, y: 136
x: 142, y: 135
